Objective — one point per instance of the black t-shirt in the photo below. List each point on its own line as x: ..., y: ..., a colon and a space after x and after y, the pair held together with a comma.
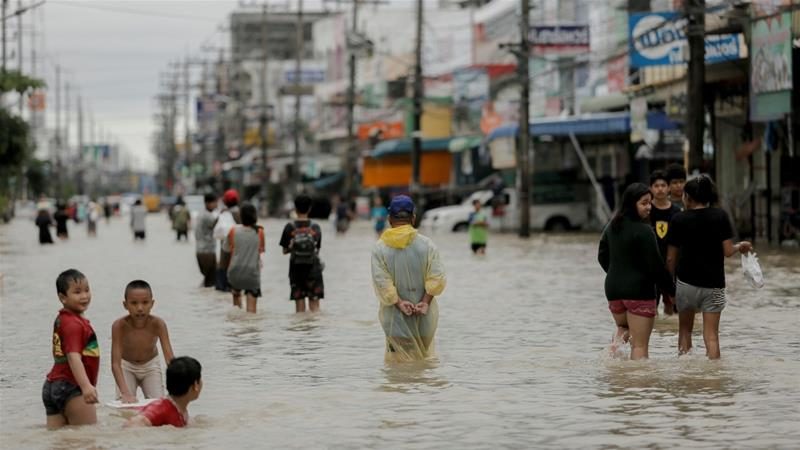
x: 659, y: 219
x: 286, y: 236
x: 698, y: 234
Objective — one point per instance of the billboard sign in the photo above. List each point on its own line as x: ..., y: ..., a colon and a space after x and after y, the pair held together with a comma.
x: 772, y: 54
x: 309, y: 76
x: 559, y: 39
x: 470, y: 92
x: 659, y: 39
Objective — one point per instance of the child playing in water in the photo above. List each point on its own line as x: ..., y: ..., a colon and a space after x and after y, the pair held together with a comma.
x: 184, y: 383
x: 134, y: 356
x: 699, y: 240
x: 69, y: 393
x: 245, y: 243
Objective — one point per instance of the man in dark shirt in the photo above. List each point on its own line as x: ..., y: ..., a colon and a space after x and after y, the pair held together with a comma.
x: 676, y: 179
x: 302, y: 239
x: 660, y: 215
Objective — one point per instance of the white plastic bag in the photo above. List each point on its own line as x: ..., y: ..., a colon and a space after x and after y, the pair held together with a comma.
x: 752, y: 270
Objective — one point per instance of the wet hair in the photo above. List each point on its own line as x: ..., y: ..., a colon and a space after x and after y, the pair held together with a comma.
x: 138, y: 284
x: 209, y: 198
x: 182, y: 373
x: 701, y: 190
x: 630, y: 197
x: 475, y: 201
x: 138, y: 202
x: 658, y: 175
x: 249, y: 214
x: 302, y: 204
x: 675, y: 171
x: 66, y: 278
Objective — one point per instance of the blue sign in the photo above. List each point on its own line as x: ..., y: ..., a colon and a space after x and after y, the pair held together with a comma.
x: 306, y: 76
x: 659, y: 38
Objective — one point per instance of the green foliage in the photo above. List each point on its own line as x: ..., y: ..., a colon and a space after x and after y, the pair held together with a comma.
x: 12, y: 80
x: 13, y: 141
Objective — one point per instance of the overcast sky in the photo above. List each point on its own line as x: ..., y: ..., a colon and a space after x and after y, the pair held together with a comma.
x: 112, y: 51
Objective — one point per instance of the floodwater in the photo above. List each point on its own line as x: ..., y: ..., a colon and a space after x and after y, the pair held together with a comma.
x: 522, y: 359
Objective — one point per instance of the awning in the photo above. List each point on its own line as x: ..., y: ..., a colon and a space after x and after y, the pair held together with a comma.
x: 587, y: 125
x: 327, y: 181
x: 403, y: 146
x: 459, y: 144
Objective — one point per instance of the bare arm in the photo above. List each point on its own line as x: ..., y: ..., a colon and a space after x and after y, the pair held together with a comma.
x: 166, y: 345
x: 729, y: 248
x: 116, y: 363
x: 76, y: 366
x: 672, y: 259
x: 138, y: 421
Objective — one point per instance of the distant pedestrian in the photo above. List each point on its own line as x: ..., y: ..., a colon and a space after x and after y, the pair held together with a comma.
x: 628, y: 253
x: 107, y: 210
x: 204, y: 238
x: 661, y: 214
x: 69, y: 394
x: 700, y: 238
x: 181, y: 220
x: 478, y: 228
x: 379, y: 215
x: 245, y: 244
x: 407, y: 275
x: 343, y: 216
x: 228, y: 218
x: 138, y: 219
x: 61, y: 217
x: 302, y: 239
x: 92, y: 216
x: 676, y: 178
x: 44, y: 222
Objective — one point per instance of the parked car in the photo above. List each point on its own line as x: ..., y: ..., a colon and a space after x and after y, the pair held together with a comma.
x: 503, y: 213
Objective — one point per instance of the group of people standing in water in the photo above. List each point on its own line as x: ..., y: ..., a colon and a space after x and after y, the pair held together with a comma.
x: 667, y: 242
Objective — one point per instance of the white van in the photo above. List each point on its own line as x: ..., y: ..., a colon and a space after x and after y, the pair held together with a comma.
x: 545, y: 216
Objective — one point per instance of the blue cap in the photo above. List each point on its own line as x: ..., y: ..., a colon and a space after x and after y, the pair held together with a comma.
x: 401, y: 204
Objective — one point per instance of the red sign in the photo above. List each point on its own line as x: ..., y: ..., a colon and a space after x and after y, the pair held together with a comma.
x: 384, y: 130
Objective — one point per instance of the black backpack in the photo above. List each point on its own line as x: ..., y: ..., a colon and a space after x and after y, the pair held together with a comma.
x: 304, y: 245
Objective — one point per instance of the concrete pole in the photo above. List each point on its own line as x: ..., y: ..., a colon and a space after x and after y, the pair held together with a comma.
x: 349, y: 156
x: 298, y: 67
x: 264, y: 122
x: 523, y: 166
x: 695, y: 110
x: 416, y: 149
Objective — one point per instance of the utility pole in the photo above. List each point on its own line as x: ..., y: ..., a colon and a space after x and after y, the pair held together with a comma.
x: 416, y: 149
x: 351, y: 100
x: 19, y: 51
x: 298, y: 66
x: 187, y: 139
x: 5, y: 8
x: 264, y: 122
x: 523, y: 154
x: 65, y: 134
x: 695, y: 110
x: 57, y: 140
x: 80, y: 183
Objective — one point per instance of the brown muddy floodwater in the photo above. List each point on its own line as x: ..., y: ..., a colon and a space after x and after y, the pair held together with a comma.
x: 521, y: 351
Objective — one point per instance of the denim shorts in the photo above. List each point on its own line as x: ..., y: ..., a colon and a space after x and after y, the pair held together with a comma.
x: 56, y: 394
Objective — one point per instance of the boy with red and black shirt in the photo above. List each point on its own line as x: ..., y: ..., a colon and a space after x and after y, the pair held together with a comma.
x: 69, y: 392
x: 303, y: 239
x: 184, y: 383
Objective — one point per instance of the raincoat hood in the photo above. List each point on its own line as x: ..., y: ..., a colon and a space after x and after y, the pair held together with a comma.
x: 399, y: 237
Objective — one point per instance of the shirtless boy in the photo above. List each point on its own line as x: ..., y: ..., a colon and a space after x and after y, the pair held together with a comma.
x: 134, y: 356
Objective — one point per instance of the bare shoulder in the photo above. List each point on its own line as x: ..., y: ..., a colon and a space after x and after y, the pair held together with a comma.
x: 158, y: 323
x: 119, y: 324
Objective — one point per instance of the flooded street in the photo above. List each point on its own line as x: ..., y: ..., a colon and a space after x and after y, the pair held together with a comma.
x: 521, y: 352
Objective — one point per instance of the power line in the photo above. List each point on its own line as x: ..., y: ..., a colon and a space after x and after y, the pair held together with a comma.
x: 135, y: 11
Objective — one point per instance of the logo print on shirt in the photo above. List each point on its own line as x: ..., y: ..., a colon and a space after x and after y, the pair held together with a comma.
x: 661, y: 229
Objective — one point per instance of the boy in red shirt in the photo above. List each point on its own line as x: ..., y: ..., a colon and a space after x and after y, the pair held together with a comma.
x: 69, y: 392
x: 184, y: 385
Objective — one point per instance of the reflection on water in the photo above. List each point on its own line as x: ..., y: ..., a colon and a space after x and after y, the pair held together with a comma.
x: 521, y: 353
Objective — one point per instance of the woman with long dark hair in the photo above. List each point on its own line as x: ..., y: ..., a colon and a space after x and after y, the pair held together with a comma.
x: 629, y: 255
x: 699, y: 240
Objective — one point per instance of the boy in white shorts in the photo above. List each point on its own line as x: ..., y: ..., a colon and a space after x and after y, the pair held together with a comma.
x: 134, y: 355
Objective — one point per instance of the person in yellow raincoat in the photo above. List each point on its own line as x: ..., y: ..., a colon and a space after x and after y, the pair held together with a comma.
x: 407, y: 275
